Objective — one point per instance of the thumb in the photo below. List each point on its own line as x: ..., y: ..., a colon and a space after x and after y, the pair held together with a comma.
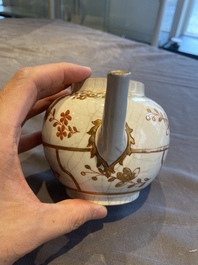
x: 42, y: 222
x: 68, y: 215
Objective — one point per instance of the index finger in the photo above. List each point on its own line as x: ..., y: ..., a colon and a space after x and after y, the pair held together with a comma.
x: 33, y: 83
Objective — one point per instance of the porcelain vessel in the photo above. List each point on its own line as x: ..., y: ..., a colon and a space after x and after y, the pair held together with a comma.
x: 107, y: 141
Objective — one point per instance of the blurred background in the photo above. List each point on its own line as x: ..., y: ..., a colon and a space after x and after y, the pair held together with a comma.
x: 168, y: 24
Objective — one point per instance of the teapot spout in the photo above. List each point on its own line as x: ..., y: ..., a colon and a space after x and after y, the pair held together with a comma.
x: 111, y: 138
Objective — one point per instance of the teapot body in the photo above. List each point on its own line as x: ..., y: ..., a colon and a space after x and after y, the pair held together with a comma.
x: 70, y: 140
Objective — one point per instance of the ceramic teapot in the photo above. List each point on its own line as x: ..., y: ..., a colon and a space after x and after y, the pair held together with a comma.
x: 106, y: 141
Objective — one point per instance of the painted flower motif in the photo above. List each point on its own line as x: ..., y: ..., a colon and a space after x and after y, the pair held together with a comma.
x: 61, y: 132
x: 127, y: 176
x: 65, y: 117
x: 62, y: 124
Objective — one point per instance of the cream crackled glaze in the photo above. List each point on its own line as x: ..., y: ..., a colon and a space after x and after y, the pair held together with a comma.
x: 105, y: 145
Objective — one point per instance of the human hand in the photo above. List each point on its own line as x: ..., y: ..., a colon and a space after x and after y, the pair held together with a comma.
x: 25, y: 222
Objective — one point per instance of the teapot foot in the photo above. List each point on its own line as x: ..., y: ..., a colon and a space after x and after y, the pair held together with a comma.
x: 103, y: 199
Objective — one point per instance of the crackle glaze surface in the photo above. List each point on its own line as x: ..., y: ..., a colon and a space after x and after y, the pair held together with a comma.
x: 69, y: 138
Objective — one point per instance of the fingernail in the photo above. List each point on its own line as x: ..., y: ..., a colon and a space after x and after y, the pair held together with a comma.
x: 100, y: 212
x: 87, y: 67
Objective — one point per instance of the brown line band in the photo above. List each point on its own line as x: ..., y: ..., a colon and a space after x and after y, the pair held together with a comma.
x: 148, y: 151
x: 102, y: 193
x: 134, y: 151
x: 64, y: 170
x: 67, y: 148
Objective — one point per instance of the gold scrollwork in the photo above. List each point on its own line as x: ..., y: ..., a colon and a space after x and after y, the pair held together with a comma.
x: 88, y: 94
x: 101, y: 163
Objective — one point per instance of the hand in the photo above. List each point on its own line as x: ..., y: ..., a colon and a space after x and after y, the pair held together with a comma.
x: 25, y: 222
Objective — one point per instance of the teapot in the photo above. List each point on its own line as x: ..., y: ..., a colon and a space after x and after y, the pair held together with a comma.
x: 106, y: 141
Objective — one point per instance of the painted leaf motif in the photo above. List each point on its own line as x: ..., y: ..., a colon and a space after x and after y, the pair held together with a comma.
x: 156, y: 111
x: 75, y: 129
x: 111, y: 179
x: 131, y: 186
x: 142, y: 184
x: 101, y: 171
x: 55, y: 124
x: 136, y: 172
x: 119, y: 184
x: 87, y: 167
